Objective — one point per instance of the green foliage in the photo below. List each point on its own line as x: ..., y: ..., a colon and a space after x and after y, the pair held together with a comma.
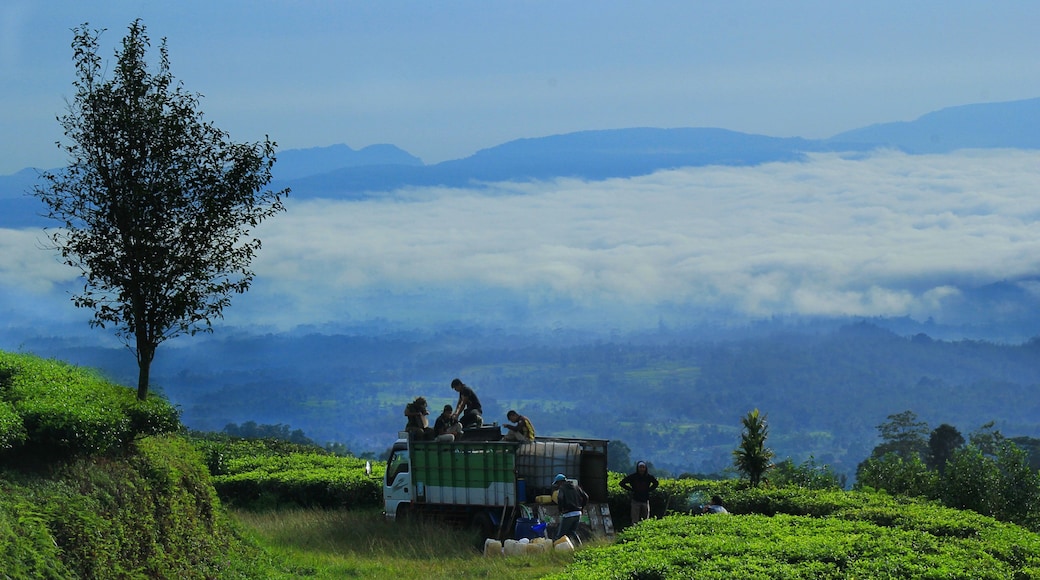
x: 268, y: 473
x: 60, y: 411
x: 812, y: 534
x: 753, y: 458
x: 897, y: 475
x: 27, y: 549
x: 943, y: 441
x: 807, y: 474
x: 253, y: 430
x: 152, y: 514
x: 904, y: 436
x: 156, y: 206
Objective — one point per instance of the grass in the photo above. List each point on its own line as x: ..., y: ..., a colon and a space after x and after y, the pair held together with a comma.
x: 362, y: 544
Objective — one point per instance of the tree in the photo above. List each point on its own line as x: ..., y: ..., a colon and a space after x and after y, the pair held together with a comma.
x: 944, y: 440
x: 903, y: 435
x: 619, y: 456
x: 753, y: 458
x: 156, y: 206
x: 898, y: 476
x: 988, y: 439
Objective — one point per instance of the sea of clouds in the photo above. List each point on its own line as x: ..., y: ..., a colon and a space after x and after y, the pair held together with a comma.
x: 886, y: 234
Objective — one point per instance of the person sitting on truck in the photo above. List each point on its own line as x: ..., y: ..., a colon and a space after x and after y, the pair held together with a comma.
x: 523, y: 431
x: 468, y: 410
x: 418, y: 426
x: 570, y: 498
x: 639, y: 485
x: 446, y: 428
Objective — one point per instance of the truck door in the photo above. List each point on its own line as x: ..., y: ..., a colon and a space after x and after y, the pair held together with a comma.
x: 397, y: 488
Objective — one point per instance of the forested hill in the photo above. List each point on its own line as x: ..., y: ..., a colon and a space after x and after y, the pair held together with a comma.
x: 674, y: 398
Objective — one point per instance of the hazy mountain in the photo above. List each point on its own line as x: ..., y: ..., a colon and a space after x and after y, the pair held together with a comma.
x: 342, y: 172
x: 1014, y: 124
x: 298, y: 163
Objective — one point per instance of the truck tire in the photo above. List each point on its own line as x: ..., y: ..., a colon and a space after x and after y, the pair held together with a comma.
x: 405, y: 514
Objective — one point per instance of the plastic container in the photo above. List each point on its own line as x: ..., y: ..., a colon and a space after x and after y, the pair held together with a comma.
x: 492, y: 547
x: 564, y: 544
x: 513, y: 548
x: 529, y: 528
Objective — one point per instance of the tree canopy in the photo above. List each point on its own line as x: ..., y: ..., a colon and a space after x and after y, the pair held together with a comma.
x: 156, y: 205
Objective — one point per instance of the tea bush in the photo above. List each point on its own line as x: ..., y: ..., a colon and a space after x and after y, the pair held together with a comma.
x: 851, y: 535
x: 305, y: 478
x: 50, y: 410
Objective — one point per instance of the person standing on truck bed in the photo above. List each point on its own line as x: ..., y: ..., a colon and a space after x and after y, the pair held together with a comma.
x: 468, y: 409
x: 639, y: 485
x: 570, y: 500
x: 523, y: 431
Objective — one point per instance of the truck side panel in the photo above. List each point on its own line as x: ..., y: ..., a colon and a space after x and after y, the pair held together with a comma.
x: 475, y: 473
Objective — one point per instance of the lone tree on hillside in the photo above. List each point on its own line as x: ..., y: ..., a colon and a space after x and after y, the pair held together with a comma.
x: 753, y: 458
x: 156, y: 206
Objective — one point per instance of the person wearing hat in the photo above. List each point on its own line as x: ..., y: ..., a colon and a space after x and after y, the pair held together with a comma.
x: 639, y: 485
x: 570, y: 498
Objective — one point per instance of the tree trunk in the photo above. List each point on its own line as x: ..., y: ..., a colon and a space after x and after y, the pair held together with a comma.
x: 143, y: 368
x: 145, y: 354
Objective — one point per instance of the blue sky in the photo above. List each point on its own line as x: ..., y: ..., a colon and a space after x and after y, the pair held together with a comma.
x: 882, y: 235
x: 445, y: 79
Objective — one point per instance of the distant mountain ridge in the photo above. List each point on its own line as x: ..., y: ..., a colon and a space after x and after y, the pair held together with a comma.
x: 341, y: 172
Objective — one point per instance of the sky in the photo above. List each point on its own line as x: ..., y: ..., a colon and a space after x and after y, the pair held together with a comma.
x: 884, y: 234
x: 443, y: 80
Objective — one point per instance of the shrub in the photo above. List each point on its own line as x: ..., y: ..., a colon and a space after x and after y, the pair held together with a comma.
x: 848, y: 535
x: 60, y: 411
x: 267, y: 473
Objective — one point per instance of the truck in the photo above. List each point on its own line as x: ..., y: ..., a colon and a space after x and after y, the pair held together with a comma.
x: 500, y: 487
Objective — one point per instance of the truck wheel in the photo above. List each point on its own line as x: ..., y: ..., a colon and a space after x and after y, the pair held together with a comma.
x: 405, y: 514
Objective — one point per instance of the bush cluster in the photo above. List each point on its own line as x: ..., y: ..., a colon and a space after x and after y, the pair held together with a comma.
x: 817, y: 534
x: 51, y: 410
x: 269, y: 473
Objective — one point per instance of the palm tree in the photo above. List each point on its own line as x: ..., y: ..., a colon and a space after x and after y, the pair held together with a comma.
x: 753, y: 458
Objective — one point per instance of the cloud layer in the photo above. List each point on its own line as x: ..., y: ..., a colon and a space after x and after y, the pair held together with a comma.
x: 881, y: 235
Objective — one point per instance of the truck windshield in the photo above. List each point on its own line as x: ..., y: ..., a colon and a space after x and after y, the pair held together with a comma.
x: 398, y: 463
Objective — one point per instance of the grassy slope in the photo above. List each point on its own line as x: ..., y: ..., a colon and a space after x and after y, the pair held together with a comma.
x: 82, y: 496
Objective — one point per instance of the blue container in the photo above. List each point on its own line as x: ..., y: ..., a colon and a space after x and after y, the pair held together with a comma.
x: 521, y: 490
x: 529, y: 528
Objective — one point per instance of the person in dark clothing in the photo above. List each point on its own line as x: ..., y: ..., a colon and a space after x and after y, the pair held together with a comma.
x: 570, y: 499
x: 446, y: 428
x: 639, y: 485
x: 418, y: 426
x: 468, y: 410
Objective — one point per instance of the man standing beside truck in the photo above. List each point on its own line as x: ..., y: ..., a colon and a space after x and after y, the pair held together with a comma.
x: 639, y: 485
x: 570, y: 500
x: 468, y: 409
